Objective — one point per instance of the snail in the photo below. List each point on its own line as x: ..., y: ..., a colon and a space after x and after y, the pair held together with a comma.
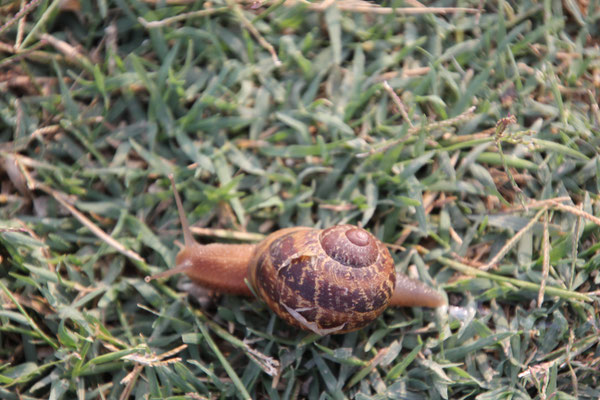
x: 334, y: 280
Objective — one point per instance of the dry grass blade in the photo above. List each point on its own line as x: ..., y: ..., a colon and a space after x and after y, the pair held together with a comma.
x: 460, y: 119
x: 268, y: 364
x: 170, y: 2
x: 546, y: 260
x: 62, y: 199
x: 398, y: 102
x: 576, y: 211
x: 543, y: 203
x: 360, y: 6
x: 257, y: 35
x: 32, y: 184
x: 29, y: 320
x: 574, y: 250
x: 550, y: 290
x: 514, y: 240
x: 408, y: 11
x: 143, y: 361
x: 70, y: 52
x: 21, y: 14
x: 405, y: 73
x: 181, y: 17
x: 156, y: 359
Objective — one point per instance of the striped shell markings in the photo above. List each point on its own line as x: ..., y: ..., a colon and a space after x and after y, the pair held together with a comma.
x: 334, y: 280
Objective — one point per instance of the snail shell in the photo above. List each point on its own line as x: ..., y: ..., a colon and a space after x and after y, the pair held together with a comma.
x: 329, y: 281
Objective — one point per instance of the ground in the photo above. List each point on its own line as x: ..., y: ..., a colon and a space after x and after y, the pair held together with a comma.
x: 465, y: 135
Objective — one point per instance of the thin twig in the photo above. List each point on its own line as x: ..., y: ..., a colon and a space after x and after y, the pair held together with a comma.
x: 35, y: 55
x: 465, y: 116
x: 574, y: 250
x: 546, y: 261
x: 32, y: 184
x: 7, y: 48
x: 395, y: 247
x: 143, y: 360
x: 70, y: 52
x: 22, y: 13
x: 577, y: 211
x: 371, y: 8
x: 44, y: 249
x: 181, y: 17
x: 568, y: 354
x: 543, y: 203
x: 46, y: 130
x: 21, y: 26
x: 511, y: 243
x: 170, y: 2
x: 561, y: 355
x: 40, y: 23
x: 29, y: 320
x: 404, y: 73
x: 398, y: 101
x: 252, y: 29
x: 408, y: 11
x: 551, y: 290
x: 454, y: 235
x: 501, y: 126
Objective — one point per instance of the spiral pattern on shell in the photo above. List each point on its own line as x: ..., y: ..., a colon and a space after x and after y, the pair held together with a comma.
x: 329, y: 281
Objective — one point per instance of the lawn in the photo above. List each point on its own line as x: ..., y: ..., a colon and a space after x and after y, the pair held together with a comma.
x: 464, y: 135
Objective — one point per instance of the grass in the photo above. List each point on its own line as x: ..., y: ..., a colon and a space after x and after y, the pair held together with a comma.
x: 468, y: 141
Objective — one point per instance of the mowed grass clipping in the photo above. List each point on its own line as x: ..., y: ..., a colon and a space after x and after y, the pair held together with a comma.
x: 465, y: 135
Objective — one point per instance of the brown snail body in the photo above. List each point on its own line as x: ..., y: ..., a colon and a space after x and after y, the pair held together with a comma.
x: 334, y: 280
